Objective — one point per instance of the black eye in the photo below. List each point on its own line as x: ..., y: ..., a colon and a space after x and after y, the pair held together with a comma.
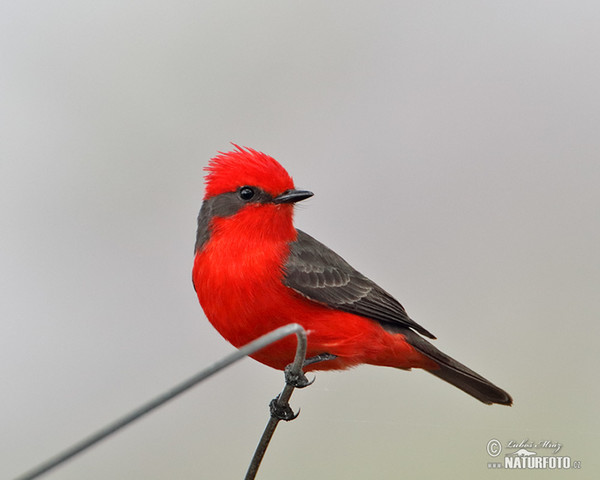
x: 246, y: 193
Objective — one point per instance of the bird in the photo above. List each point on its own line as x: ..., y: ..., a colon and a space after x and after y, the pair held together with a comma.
x: 254, y: 272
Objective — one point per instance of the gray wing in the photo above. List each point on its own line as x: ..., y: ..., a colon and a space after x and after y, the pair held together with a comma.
x: 319, y: 274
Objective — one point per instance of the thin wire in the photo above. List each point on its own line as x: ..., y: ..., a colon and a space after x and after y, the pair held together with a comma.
x: 281, y: 403
x: 111, y: 428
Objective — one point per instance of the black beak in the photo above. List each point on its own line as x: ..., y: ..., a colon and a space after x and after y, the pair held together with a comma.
x: 292, y: 196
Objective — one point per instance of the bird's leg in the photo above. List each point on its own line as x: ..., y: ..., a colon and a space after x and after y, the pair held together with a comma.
x: 321, y: 357
x: 300, y: 380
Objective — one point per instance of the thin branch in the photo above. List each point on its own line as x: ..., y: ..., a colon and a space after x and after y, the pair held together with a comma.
x: 281, y: 404
x: 108, y: 430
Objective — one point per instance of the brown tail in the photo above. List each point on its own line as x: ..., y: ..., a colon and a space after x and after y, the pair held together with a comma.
x: 458, y: 374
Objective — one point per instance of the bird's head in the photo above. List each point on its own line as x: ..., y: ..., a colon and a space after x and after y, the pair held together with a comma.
x: 248, y: 185
x: 253, y: 176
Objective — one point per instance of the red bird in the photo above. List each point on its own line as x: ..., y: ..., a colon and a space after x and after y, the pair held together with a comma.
x: 254, y: 272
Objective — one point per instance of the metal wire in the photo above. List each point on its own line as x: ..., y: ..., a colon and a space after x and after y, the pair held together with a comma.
x: 281, y: 403
x: 113, y: 427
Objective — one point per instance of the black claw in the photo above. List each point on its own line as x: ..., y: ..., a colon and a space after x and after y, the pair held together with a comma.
x: 282, y: 412
x: 310, y: 382
x: 297, y: 380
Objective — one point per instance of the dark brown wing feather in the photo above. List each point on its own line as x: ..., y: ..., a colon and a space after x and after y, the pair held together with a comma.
x: 319, y: 274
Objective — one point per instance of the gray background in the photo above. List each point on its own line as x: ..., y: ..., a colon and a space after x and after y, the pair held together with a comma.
x: 453, y: 151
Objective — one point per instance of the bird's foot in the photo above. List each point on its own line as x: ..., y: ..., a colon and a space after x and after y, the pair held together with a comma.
x: 297, y: 380
x: 282, y: 412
